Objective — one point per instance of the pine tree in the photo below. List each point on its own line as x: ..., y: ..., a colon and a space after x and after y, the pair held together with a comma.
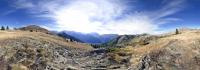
x: 2, y: 28
x: 177, y: 32
x: 15, y: 28
x: 7, y: 28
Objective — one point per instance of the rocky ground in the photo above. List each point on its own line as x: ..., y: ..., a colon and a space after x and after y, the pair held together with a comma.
x: 167, y: 52
x: 21, y: 50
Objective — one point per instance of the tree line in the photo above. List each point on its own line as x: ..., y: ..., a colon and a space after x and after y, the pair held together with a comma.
x: 5, y: 28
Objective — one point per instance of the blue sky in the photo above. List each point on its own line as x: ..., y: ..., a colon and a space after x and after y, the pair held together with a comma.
x: 102, y: 16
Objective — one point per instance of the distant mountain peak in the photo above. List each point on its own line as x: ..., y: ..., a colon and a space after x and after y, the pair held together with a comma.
x: 34, y: 28
x: 93, y: 37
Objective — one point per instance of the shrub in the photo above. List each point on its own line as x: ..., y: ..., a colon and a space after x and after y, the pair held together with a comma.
x: 115, y: 57
x: 2, y: 28
x: 113, y: 49
x: 177, y: 32
x: 7, y: 28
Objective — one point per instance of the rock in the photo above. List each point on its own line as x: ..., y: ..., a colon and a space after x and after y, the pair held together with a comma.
x: 71, y: 68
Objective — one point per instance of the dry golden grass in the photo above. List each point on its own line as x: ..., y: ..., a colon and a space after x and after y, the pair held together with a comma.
x: 31, y: 44
x: 4, y: 35
x: 182, y: 43
x: 19, y: 67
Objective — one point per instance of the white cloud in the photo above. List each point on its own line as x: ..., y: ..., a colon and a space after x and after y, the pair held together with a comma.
x: 103, y: 16
x: 19, y: 4
x: 87, y: 16
x: 7, y: 12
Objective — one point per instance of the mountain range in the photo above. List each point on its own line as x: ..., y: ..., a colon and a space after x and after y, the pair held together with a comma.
x: 93, y: 38
x: 36, y: 48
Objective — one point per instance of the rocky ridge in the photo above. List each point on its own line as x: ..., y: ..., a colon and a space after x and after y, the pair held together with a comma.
x: 24, y: 50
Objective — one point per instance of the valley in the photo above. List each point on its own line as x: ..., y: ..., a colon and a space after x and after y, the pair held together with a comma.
x: 99, y: 35
x: 31, y: 50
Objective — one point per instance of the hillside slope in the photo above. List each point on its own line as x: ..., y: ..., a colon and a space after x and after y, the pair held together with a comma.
x: 21, y: 50
x: 167, y: 52
x: 34, y: 28
x: 131, y: 40
x: 66, y: 36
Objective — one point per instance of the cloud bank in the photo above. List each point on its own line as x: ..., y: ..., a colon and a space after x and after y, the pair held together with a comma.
x: 102, y: 16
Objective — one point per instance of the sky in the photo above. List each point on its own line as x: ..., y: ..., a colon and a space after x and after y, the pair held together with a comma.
x: 102, y: 16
